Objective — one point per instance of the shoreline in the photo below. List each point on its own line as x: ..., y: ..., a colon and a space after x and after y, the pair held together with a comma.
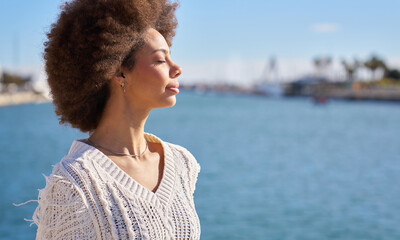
x: 11, y: 99
x: 289, y: 90
x: 386, y: 95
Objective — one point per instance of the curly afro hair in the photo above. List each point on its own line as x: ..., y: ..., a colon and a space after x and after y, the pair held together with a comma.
x: 87, y: 45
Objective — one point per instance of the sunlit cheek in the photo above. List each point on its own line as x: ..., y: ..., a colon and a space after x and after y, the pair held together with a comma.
x: 160, y: 79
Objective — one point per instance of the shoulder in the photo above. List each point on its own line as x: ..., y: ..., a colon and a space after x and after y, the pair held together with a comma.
x: 75, y: 166
x: 64, y: 178
x: 61, y: 204
x: 59, y: 184
x: 179, y: 151
x: 187, y: 165
x: 81, y: 155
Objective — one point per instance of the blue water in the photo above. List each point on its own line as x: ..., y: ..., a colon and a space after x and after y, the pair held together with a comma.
x: 271, y: 168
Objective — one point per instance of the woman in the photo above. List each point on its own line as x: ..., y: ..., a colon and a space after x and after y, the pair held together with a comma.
x: 109, y: 64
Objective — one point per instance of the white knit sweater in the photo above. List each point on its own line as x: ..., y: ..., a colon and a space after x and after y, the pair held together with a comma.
x: 88, y: 196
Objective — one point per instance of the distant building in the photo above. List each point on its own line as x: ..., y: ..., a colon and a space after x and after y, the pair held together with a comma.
x: 10, y: 83
x: 304, y: 86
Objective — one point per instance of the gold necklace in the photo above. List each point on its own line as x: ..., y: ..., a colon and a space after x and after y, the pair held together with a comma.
x: 119, y: 154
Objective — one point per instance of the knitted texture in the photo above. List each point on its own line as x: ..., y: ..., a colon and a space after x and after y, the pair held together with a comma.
x: 88, y: 196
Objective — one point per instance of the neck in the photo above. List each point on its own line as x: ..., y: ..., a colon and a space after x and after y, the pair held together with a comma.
x: 121, y: 129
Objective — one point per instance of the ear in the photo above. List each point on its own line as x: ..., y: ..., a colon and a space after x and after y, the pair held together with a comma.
x: 119, y: 77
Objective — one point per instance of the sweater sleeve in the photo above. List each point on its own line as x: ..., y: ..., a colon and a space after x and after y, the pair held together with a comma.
x: 193, y: 167
x: 62, y: 212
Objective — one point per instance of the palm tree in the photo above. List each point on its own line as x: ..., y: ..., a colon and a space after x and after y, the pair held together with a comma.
x: 373, y: 64
x: 322, y: 64
x: 351, y: 68
x: 392, y: 74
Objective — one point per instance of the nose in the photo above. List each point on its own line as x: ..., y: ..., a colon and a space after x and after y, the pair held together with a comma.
x: 175, y: 71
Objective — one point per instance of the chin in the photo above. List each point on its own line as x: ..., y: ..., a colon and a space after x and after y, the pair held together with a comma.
x: 170, y: 102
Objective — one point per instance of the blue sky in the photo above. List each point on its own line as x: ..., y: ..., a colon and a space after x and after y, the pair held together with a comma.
x: 211, y: 30
x: 254, y: 29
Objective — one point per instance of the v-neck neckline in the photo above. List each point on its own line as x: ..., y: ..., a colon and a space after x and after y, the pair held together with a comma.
x: 166, y: 185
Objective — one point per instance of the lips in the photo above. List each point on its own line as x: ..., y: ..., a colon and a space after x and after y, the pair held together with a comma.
x: 174, y: 88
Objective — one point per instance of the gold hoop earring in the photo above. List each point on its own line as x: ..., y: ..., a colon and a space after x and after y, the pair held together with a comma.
x: 123, y: 86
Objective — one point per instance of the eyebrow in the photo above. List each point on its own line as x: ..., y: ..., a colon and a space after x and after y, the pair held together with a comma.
x: 161, y: 50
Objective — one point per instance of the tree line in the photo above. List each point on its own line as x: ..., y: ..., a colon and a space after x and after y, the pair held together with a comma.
x: 374, y: 63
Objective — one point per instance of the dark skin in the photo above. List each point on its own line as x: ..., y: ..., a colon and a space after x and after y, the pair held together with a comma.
x: 149, y: 172
x: 152, y: 83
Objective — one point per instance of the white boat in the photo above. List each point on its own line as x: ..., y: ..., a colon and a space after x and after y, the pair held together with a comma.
x: 269, y: 83
x: 273, y: 89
